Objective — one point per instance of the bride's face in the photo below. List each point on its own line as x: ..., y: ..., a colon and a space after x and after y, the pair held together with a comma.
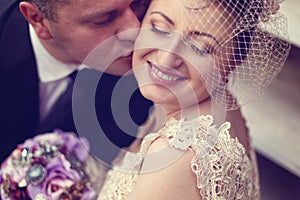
x: 178, y: 49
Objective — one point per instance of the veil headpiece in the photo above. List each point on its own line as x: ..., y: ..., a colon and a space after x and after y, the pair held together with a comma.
x: 258, y: 55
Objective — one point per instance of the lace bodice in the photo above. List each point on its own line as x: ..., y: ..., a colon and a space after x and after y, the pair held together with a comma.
x: 222, y: 168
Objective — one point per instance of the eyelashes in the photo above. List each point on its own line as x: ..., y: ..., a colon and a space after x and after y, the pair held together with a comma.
x: 107, y: 19
x: 160, y: 31
x: 187, y: 41
x: 191, y: 44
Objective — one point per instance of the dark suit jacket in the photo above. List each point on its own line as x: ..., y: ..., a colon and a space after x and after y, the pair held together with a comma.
x: 19, y: 101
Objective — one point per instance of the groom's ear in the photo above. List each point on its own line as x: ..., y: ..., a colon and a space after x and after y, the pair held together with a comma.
x: 36, y: 18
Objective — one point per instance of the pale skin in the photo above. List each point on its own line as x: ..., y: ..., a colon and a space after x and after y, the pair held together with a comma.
x: 175, y: 181
x: 81, y: 26
x: 171, y: 182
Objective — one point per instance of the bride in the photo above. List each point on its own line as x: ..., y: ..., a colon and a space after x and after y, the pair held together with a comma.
x: 198, y: 61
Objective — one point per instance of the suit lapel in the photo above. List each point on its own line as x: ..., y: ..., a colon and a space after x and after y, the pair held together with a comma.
x: 18, y: 82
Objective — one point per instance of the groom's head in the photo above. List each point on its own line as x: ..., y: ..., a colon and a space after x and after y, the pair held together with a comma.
x: 70, y: 29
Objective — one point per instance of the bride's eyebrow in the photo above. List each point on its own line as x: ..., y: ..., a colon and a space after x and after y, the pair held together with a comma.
x: 197, y: 33
x: 164, y: 16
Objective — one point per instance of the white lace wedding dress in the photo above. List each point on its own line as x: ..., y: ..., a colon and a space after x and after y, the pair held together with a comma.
x: 221, y: 166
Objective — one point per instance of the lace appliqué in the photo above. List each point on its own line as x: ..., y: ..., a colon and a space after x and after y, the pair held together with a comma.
x: 122, y: 178
x: 120, y: 181
x: 195, y: 134
x: 222, y: 168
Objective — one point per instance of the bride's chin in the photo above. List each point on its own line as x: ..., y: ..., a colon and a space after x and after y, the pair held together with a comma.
x: 157, y: 94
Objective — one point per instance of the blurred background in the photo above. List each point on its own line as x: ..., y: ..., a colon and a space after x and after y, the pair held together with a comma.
x: 274, y: 121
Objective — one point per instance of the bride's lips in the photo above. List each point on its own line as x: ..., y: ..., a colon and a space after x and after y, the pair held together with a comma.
x: 162, y: 76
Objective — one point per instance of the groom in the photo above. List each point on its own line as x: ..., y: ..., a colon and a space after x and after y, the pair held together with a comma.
x: 41, y: 44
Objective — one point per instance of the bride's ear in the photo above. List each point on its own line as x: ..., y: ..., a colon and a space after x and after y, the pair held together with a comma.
x: 36, y: 18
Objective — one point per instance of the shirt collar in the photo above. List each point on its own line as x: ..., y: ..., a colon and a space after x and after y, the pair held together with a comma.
x: 49, y: 68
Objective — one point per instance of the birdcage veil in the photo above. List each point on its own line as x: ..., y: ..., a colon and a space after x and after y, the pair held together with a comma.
x: 252, y: 53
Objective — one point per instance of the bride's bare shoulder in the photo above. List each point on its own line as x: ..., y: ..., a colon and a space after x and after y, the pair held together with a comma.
x: 166, y: 174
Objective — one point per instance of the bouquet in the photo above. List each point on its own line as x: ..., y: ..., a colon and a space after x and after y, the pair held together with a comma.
x: 48, y: 167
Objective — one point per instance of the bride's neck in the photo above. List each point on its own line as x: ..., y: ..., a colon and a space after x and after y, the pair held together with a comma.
x: 189, y: 112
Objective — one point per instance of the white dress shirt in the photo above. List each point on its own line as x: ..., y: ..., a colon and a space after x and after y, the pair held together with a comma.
x: 53, y: 75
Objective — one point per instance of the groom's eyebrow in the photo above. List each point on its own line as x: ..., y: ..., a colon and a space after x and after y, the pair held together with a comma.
x: 164, y: 16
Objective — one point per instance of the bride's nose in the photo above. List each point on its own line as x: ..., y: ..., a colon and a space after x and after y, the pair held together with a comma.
x: 168, y: 56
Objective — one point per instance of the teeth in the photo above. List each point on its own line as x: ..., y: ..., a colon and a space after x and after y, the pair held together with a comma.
x: 164, y: 76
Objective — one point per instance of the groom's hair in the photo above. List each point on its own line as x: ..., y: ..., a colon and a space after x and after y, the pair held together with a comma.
x: 49, y: 7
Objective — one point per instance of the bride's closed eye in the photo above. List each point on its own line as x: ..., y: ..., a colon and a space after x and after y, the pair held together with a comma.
x: 160, y: 31
x: 196, y: 48
x: 188, y: 42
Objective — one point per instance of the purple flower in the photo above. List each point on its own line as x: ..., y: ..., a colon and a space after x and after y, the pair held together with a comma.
x: 79, y: 146
x: 60, y: 177
x: 50, y: 166
x: 16, y: 174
